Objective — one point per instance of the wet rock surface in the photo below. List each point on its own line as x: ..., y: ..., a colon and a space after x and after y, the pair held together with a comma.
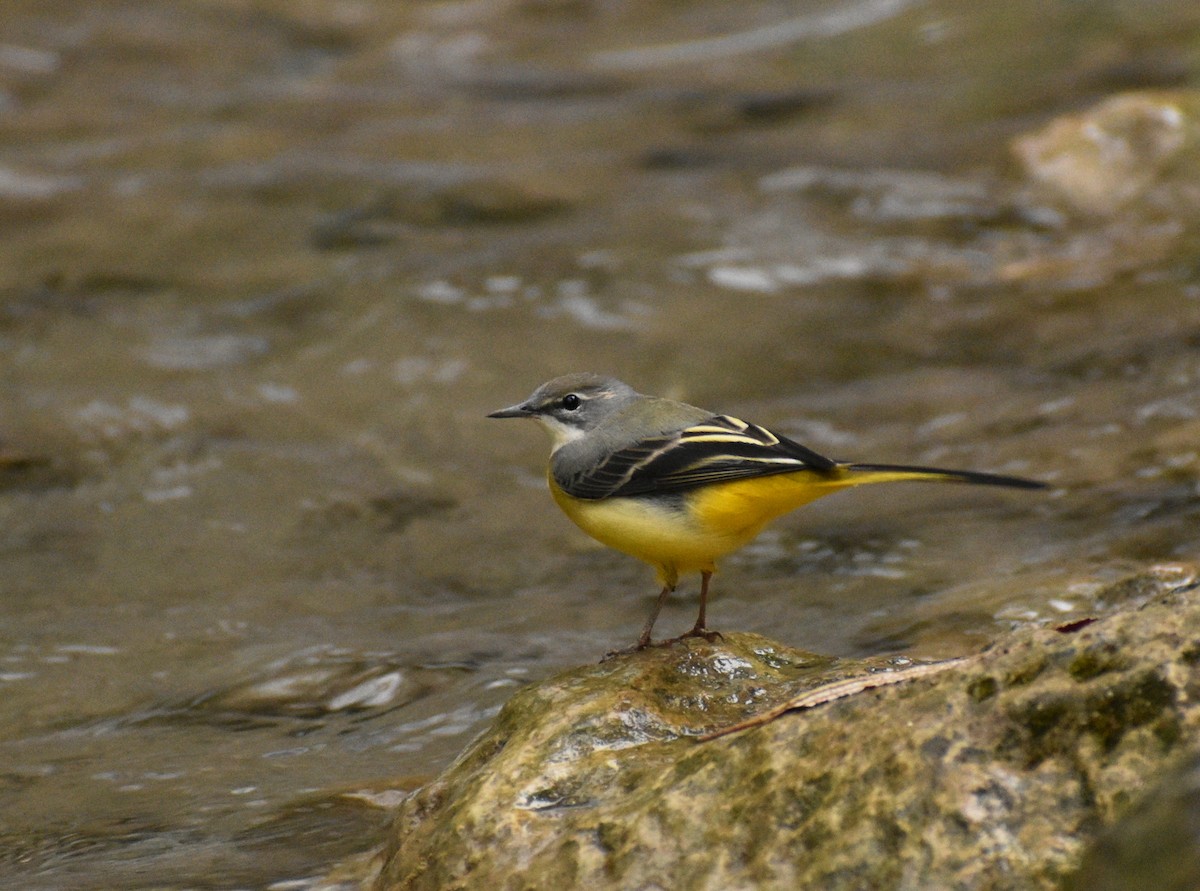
x: 994, y: 774
x: 1156, y: 842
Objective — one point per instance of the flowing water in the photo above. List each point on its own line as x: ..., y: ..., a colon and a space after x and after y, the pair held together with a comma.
x: 265, y: 266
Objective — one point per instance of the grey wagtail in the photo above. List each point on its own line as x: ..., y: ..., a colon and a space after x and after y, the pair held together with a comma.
x: 678, y: 486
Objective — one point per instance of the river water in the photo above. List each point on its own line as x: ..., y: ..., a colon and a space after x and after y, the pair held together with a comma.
x: 265, y: 266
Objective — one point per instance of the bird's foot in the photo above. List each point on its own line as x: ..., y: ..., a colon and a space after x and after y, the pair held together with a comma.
x: 628, y: 651
x: 647, y: 643
x: 698, y: 631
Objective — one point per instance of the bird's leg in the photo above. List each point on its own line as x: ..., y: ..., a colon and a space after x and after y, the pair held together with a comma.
x: 699, y: 629
x: 644, y: 640
x: 700, y: 624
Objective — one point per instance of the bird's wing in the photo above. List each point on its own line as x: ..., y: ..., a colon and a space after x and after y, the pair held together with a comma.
x: 716, y: 450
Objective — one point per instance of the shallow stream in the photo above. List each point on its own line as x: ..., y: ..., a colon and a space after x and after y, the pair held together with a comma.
x: 265, y: 267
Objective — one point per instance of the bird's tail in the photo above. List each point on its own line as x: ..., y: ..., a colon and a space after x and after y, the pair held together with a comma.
x: 856, y: 474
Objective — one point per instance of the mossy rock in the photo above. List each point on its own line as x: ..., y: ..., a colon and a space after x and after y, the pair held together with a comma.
x: 995, y: 773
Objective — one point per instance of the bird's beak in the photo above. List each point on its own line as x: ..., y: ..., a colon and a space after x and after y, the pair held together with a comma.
x: 520, y: 410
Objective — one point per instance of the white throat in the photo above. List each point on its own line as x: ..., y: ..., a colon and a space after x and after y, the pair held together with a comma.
x: 560, y: 433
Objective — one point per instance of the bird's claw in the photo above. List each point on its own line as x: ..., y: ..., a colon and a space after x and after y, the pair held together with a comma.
x: 710, y: 636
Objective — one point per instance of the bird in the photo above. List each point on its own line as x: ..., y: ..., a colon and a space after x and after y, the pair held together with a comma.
x: 679, y: 487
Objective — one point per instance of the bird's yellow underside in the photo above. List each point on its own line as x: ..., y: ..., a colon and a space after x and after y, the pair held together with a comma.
x: 708, y: 522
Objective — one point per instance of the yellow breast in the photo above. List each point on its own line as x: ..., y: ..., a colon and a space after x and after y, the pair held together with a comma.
x: 689, y: 532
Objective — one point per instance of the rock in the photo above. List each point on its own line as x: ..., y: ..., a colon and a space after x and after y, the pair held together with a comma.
x: 994, y: 774
x: 461, y: 201
x: 1132, y: 151
x: 1156, y: 844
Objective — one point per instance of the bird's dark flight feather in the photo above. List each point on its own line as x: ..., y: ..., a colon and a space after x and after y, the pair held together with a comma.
x: 720, y: 449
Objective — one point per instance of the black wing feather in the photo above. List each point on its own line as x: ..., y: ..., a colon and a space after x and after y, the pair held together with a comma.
x: 720, y: 449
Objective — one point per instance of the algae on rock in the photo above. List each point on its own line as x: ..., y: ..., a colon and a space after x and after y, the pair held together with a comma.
x: 993, y: 774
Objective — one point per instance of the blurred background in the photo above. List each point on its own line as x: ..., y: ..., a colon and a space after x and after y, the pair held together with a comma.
x: 266, y: 265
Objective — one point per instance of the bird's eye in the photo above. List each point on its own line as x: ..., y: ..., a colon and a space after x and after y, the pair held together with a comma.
x: 571, y: 402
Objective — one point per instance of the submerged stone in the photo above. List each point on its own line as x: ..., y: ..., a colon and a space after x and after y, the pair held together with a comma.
x: 994, y: 774
x: 1134, y: 150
